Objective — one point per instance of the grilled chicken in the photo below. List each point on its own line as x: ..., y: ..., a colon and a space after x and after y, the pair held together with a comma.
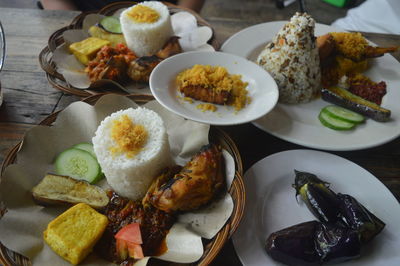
x: 140, y: 68
x: 193, y: 186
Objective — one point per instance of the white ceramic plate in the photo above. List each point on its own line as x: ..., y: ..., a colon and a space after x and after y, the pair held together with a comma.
x: 271, y: 204
x: 299, y: 123
x: 262, y: 88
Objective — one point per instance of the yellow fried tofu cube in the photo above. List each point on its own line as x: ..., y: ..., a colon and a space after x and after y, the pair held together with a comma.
x: 73, y: 234
x: 87, y: 49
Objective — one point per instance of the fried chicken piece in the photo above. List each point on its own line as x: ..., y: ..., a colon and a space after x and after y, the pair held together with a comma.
x: 354, y: 46
x: 350, y: 45
x: 141, y: 68
x: 195, y: 185
x: 345, y: 54
x: 371, y: 51
x: 326, y: 46
x: 170, y: 48
x: 205, y: 94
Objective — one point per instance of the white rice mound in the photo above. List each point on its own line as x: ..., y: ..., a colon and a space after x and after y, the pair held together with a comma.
x: 131, y: 177
x: 147, y: 38
x: 293, y: 61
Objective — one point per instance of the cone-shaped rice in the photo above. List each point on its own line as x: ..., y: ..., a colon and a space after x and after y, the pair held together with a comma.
x: 293, y: 61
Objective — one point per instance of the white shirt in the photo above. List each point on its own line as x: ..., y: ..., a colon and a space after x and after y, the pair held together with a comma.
x: 381, y: 16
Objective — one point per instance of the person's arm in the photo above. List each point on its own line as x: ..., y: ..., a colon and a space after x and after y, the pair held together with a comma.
x: 58, y: 4
x: 195, y: 5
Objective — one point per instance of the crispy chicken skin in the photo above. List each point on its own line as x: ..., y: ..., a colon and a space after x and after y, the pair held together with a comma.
x: 193, y: 186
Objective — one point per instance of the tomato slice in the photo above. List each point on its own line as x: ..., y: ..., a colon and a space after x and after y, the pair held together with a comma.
x: 135, y: 250
x: 130, y: 233
x: 122, y: 249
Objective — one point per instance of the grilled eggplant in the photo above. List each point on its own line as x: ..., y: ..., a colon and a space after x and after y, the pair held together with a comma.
x: 318, y: 197
x: 355, y: 103
x: 294, y: 245
x: 313, y: 243
x: 345, y: 225
x: 359, y: 218
x: 336, y: 243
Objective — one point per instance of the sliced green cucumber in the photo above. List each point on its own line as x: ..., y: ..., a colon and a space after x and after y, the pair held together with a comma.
x: 343, y: 114
x: 111, y: 24
x: 78, y: 164
x: 86, y: 146
x: 334, y: 123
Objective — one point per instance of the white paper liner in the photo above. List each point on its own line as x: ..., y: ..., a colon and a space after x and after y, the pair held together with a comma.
x: 184, y: 246
x: 77, y: 123
x: 184, y: 24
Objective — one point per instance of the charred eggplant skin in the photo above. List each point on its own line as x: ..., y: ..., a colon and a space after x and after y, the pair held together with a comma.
x: 336, y: 243
x: 344, y: 226
x: 359, y: 218
x: 346, y: 99
x: 318, y: 197
x: 313, y: 243
x: 294, y: 245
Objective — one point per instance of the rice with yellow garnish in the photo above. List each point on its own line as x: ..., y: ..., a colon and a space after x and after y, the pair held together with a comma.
x: 146, y: 27
x: 132, y: 148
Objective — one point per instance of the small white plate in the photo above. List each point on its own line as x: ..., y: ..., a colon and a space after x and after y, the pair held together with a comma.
x: 262, y: 88
x: 271, y: 204
x: 298, y: 123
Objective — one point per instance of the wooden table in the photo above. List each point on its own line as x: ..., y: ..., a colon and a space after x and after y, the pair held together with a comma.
x: 28, y: 98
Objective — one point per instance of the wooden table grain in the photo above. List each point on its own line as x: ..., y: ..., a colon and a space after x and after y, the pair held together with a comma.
x: 28, y: 98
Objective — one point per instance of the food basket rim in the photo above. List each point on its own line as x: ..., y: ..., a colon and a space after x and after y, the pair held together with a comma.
x: 237, y: 190
x: 57, y: 81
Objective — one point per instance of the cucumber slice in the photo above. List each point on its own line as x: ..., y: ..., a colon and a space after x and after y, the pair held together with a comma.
x: 86, y: 146
x: 334, y: 123
x: 111, y: 24
x: 78, y: 164
x: 343, y: 114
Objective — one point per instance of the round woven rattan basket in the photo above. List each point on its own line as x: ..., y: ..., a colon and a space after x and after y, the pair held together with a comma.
x: 211, y: 247
x: 56, y: 40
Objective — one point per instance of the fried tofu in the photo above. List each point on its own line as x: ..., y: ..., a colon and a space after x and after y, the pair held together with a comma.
x: 73, y: 234
x: 87, y: 49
